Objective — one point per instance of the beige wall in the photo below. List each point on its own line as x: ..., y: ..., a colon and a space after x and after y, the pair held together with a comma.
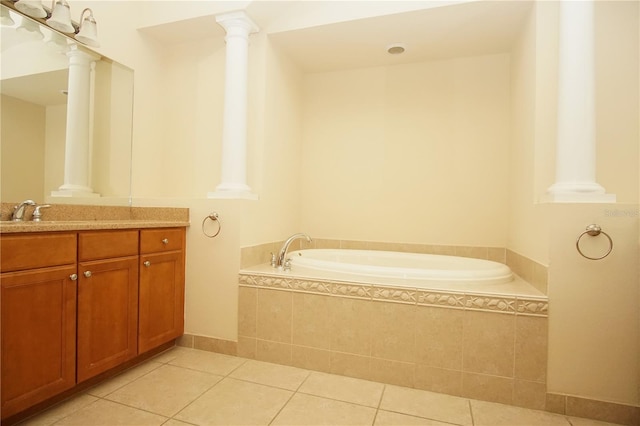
x: 593, y: 305
x: 408, y: 153
x: 276, y: 167
x: 23, y: 141
x: 528, y: 224
x: 617, y: 91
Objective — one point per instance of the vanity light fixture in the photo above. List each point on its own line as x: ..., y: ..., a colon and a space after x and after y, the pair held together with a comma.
x: 61, y: 17
x: 29, y: 29
x: 6, y: 19
x: 58, y: 42
x: 88, y: 31
x: 31, y: 8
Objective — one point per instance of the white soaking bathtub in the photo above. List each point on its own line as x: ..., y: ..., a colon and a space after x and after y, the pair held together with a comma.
x: 421, y: 269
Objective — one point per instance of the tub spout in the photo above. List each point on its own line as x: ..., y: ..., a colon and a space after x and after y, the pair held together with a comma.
x: 282, y: 255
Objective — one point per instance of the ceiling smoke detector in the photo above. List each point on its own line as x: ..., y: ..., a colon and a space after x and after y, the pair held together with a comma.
x: 396, y: 48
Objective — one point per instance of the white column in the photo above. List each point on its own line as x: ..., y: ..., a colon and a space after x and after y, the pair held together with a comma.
x: 234, y: 134
x: 576, y: 135
x: 77, y: 158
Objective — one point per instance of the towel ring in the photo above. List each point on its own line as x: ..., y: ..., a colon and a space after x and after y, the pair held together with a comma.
x: 216, y: 218
x: 594, y: 230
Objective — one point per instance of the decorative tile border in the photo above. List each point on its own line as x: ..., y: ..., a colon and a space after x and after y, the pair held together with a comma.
x: 534, y: 307
x: 530, y: 306
x: 444, y: 299
x: 395, y: 294
x: 308, y: 286
x: 491, y: 303
x: 351, y: 290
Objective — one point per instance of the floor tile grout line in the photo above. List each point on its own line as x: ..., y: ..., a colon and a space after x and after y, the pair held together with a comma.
x: 337, y: 400
x: 59, y: 404
x: 471, y: 412
x: 282, y: 408
x: 418, y: 416
x: 135, y: 408
x: 245, y: 360
x: 375, y: 416
x: 204, y: 371
x: 196, y: 398
x: 384, y: 389
x: 309, y: 372
x: 160, y: 364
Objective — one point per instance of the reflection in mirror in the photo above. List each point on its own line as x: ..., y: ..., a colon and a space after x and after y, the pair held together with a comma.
x: 35, y: 84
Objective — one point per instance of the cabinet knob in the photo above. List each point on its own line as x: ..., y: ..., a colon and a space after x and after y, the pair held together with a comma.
x: 73, y: 277
x: 87, y: 274
x: 146, y: 263
x: 165, y: 241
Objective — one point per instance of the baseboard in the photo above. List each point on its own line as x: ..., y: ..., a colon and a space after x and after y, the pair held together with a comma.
x: 210, y: 344
x: 611, y: 412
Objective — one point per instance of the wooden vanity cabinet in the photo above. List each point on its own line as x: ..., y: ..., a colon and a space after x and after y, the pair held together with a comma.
x: 38, y: 283
x: 77, y: 304
x: 161, y: 298
x: 107, y: 300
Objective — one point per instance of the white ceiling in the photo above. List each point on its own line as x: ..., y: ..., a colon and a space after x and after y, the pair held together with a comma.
x: 430, y: 32
x: 465, y: 29
x: 33, y: 69
x: 332, y: 35
x: 41, y: 89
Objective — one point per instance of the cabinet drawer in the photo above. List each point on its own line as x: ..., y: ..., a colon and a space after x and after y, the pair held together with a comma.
x: 20, y: 252
x: 107, y: 244
x: 161, y: 240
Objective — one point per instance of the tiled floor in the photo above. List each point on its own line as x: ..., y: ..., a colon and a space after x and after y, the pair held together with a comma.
x: 191, y: 387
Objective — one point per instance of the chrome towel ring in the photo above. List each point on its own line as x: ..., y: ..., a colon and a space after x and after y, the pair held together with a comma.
x: 594, y: 230
x: 214, y: 217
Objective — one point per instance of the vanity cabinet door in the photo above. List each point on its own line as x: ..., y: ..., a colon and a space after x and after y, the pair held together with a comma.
x: 161, y: 315
x: 107, y: 300
x: 38, y: 335
x: 107, y: 314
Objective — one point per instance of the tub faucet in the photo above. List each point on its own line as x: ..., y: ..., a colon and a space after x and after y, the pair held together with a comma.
x: 18, y: 211
x: 282, y: 255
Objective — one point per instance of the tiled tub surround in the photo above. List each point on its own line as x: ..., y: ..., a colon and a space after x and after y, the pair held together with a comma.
x: 490, y: 347
x: 486, y: 347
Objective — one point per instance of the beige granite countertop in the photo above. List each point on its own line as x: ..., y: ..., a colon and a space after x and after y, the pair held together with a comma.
x: 7, y: 227
x: 61, y: 217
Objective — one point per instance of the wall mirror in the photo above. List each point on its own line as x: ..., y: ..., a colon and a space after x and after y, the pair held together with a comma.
x: 36, y: 104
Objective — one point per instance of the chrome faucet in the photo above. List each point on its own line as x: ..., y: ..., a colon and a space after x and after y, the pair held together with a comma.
x: 18, y: 211
x: 282, y: 255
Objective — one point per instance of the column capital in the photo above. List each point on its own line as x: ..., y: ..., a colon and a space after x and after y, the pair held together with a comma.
x: 237, y: 21
x: 81, y: 54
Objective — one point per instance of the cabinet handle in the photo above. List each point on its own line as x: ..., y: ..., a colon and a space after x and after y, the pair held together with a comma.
x: 73, y: 277
x: 87, y: 274
x: 165, y: 241
x: 146, y: 263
